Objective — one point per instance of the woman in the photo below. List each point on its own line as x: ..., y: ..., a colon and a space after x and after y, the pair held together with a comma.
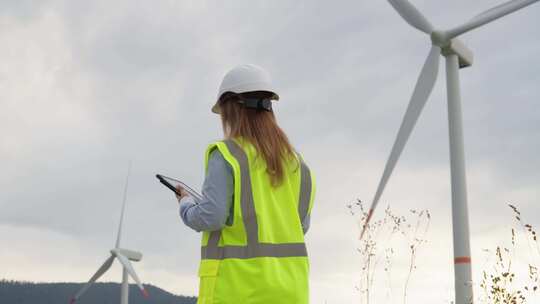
x: 258, y: 195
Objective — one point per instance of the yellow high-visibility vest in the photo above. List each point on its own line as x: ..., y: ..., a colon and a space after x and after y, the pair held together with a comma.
x: 261, y: 258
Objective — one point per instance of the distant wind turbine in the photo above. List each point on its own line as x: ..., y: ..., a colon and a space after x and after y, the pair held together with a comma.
x: 457, y: 56
x: 124, y: 256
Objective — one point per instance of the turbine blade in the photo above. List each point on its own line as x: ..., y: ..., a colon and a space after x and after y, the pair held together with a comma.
x: 96, y: 276
x: 490, y: 15
x: 127, y: 265
x: 422, y: 90
x: 119, y: 236
x: 412, y: 15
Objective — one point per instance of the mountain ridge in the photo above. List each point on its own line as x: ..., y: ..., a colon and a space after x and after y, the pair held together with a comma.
x: 24, y: 292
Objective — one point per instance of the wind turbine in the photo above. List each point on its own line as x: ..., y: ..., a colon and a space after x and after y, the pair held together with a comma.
x: 444, y: 42
x: 124, y: 256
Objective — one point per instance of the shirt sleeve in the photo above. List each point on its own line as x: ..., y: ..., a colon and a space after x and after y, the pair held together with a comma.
x: 213, y: 211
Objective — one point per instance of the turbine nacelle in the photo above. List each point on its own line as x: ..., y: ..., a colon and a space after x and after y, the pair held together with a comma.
x: 130, y: 254
x: 449, y: 46
x: 455, y: 46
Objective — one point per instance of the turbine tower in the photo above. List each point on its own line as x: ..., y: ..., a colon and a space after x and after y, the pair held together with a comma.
x: 124, y: 256
x: 457, y: 56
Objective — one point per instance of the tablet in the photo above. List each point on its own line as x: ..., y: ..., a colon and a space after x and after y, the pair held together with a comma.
x: 171, y: 183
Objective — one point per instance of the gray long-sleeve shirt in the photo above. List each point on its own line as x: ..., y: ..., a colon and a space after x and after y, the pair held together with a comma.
x: 216, y: 209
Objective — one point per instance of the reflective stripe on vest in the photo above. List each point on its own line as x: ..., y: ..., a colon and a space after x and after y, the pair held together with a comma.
x: 305, y: 189
x: 254, y: 248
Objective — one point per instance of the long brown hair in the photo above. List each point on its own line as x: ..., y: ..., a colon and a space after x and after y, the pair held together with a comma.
x: 260, y: 128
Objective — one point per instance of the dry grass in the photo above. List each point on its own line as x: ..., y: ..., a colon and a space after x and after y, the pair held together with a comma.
x: 411, y: 228
x: 503, y: 280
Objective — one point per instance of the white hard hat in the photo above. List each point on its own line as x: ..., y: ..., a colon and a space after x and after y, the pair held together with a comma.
x: 245, y: 78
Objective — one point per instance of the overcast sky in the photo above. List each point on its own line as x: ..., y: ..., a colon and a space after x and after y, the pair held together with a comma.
x: 86, y: 86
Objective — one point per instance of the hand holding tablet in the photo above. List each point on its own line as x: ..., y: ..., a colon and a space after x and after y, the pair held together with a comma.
x: 172, y: 183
